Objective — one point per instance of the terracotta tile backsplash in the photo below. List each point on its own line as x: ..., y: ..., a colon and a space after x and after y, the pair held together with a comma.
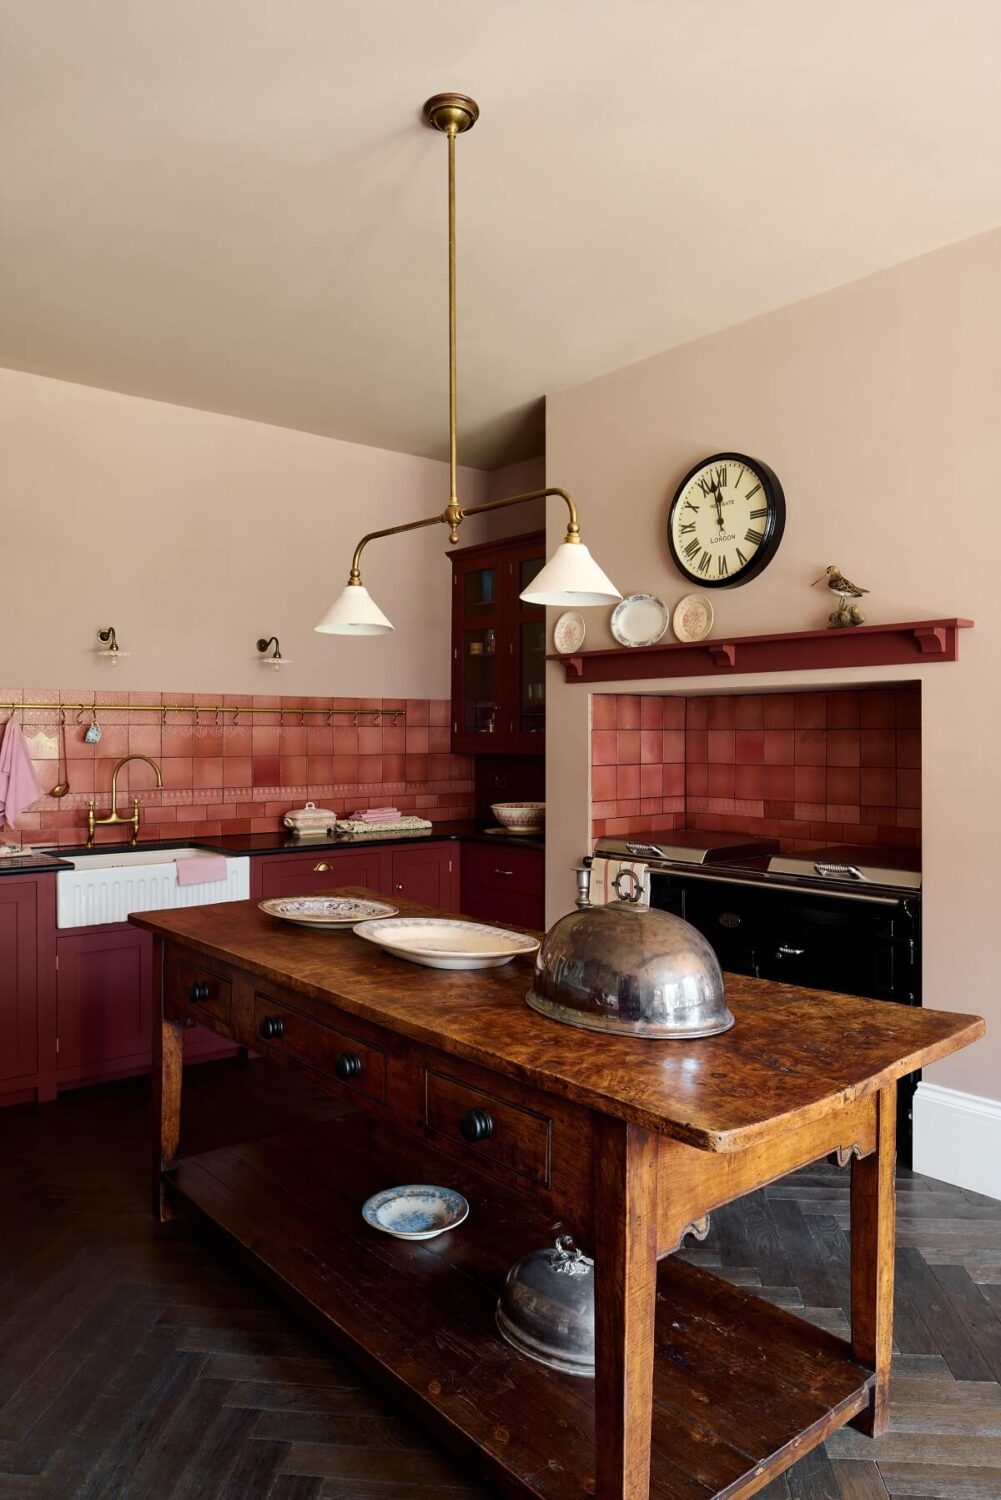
x: 242, y: 774
x: 806, y: 768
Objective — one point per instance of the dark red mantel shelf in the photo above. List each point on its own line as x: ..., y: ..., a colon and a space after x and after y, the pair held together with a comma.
x: 909, y: 644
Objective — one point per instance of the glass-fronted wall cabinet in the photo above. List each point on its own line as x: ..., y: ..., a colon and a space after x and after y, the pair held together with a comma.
x: 498, y: 648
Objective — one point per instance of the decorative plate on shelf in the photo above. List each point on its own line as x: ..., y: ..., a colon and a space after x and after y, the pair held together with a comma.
x: 418, y: 1211
x: 693, y: 618
x: 339, y: 912
x: 640, y: 620
x: 568, y: 632
x: 444, y: 943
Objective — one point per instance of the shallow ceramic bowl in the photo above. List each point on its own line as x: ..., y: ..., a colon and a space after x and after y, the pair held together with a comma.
x: 338, y: 913
x: 519, y: 815
x: 418, y: 1211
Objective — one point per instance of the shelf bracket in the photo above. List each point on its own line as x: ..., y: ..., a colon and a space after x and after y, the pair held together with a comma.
x: 574, y: 667
x: 931, y: 639
x: 723, y: 655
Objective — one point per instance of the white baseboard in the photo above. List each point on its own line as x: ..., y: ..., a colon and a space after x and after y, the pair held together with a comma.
x: 957, y: 1138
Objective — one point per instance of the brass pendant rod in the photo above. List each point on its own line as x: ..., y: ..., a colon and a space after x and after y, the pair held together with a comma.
x: 453, y: 441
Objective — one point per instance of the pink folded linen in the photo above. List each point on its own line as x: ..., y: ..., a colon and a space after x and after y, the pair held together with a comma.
x: 19, y: 786
x: 201, y: 871
x: 377, y: 814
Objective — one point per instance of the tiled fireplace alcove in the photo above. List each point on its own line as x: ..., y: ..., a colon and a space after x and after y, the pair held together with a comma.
x: 835, y: 766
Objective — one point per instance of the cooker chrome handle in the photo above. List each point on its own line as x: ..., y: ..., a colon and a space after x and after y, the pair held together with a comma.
x: 838, y: 872
x: 784, y: 951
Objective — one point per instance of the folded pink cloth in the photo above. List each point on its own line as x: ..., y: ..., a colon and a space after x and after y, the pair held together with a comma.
x: 377, y: 814
x: 19, y: 786
x: 205, y: 871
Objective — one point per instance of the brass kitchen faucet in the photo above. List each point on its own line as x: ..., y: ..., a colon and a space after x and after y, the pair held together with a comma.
x: 135, y: 817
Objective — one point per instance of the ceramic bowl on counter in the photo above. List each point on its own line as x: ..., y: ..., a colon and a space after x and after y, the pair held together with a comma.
x: 520, y: 817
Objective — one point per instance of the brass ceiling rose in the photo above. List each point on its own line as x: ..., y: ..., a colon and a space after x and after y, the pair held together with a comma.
x: 456, y: 110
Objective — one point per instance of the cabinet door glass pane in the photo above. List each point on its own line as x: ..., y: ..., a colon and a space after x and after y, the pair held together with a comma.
x: 528, y: 570
x: 533, y: 677
x: 479, y: 592
x: 479, y: 682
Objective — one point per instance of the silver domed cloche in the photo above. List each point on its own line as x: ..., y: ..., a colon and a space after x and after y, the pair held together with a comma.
x: 631, y: 970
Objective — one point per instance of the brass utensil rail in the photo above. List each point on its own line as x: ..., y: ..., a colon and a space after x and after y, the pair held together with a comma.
x: 396, y: 714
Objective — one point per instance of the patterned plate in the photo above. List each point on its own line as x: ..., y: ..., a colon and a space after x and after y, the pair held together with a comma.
x: 416, y: 1212
x: 338, y: 912
x: 443, y: 943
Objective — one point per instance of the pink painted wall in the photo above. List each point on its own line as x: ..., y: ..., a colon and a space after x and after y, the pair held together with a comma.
x: 194, y: 533
x: 877, y: 405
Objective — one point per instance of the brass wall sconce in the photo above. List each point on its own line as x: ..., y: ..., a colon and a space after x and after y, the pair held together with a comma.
x: 275, y: 660
x: 571, y: 576
x: 112, y: 651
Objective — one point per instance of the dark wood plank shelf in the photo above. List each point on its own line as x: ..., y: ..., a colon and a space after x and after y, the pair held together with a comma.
x: 908, y: 643
x: 738, y: 1384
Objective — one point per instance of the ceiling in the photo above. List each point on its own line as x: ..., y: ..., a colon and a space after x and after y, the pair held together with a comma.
x: 235, y: 206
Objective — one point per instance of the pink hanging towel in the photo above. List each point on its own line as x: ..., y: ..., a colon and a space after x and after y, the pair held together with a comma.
x: 19, y: 786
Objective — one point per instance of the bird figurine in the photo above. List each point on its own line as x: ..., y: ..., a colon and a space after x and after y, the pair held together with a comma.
x: 846, y: 614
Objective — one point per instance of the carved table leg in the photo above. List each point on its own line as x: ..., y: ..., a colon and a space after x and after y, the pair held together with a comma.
x: 625, y: 1254
x: 873, y: 1235
x: 168, y: 1072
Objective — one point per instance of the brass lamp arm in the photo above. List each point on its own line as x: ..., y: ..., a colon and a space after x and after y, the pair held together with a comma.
x: 453, y: 516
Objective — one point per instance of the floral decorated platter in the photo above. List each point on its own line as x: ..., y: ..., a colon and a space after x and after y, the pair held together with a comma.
x: 418, y: 1211
x: 444, y: 943
x: 693, y: 618
x: 568, y: 632
x: 339, y: 912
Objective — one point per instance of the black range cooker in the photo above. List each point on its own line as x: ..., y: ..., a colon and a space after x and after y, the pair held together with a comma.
x: 846, y: 918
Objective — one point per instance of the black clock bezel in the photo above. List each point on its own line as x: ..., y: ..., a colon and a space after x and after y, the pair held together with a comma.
x: 774, y: 528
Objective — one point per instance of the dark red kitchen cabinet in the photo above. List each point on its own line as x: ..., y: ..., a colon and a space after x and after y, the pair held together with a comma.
x: 104, y: 989
x: 428, y: 873
x: 323, y: 870
x: 501, y: 883
x: 27, y: 920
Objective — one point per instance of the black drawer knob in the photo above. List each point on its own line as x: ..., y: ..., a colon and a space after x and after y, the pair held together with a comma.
x: 270, y: 1027
x: 347, y: 1065
x: 199, y: 990
x: 477, y: 1125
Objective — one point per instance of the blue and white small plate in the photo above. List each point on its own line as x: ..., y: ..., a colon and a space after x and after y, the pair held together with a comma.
x: 418, y: 1211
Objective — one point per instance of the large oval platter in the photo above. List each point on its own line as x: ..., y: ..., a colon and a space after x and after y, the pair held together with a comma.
x: 443, y: 943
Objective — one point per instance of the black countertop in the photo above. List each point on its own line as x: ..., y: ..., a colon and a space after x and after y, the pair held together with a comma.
x: 285, y: 842
x: 31, y: 864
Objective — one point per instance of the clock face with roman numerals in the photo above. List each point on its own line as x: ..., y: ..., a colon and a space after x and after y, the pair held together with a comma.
x: 726, y: 520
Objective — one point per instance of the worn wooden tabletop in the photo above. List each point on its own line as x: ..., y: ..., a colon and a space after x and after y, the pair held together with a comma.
x: 791, y: 1052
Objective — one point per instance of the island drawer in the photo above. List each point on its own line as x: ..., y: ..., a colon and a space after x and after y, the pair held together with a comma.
x: 199, y: 988
x: 494, y: 1130
x: 355, y: 1064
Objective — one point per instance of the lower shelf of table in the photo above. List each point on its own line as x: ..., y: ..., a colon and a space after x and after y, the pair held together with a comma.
x: 741, y: 1389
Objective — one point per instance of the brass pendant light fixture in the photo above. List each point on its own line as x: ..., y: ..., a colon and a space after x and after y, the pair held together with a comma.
x: 571, y: 576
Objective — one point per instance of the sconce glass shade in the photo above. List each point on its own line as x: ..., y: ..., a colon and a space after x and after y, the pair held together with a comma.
x: 354, y: 612
x: 571, y: 577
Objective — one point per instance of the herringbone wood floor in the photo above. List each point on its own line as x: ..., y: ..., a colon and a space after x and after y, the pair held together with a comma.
x: 143, y: 1364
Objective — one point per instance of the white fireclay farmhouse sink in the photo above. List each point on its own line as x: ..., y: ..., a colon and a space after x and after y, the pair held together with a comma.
x: 104, y: 886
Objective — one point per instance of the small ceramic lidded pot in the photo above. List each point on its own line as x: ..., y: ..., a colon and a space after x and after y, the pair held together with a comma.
x: 546, y: 1308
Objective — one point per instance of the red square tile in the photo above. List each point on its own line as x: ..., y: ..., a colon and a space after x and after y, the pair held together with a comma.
x: 674, y: 713
x: 749, y: 746
x: 722, y: 777
x: 627, y: 781
x: 292, y: 740
x: 696, y: 779
x: 877, y: 709
x: 908, y: 707
x: 627, y: 711
x: 843, y: 747
x: 673, y: 779
x: 877, y: 747
x: 721, y: 712
x: 778, y: 747
x: 749, y: 710
x: 604, y: 747
x: 843, y: 709
x: 810, y: 747
x: 207, y: 741
x: 393, y: 741
x: 370, y: 768
x: 418, y: 742
x: 651, y: 712
x: 602, y: 783
x: 721, y: 746
x: 627, y: 746
x: 608, y: 809
x: 344, y: 770
x: 144, y: 739
x: 650, y: 781
x: 418, y: 767
x: 908, y: 788
x: 237, y: 740
x: 651, y: 747
x: 749, y: 781
x: 779, y: 710
x: 672, y: 745
x: 878, y: 786
x: 439, y: 740
x: 394, y: 767
x: 908, y: 748
x: 811, y: 710
x: 778, y: 783
x: 370, y: 740
x: 843, y: 784
x: 697, y: 715
x: 603, y: 711
x: 696, y: 746
x: 810, y: 784
x: 265, y: 770
x: 237, y: 770
x: 439, y: 709
x: 176, y: 770
x: 418, y: 712
x: 320, y: 769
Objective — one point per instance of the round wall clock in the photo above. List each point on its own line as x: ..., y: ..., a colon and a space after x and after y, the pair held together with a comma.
x: 726, y: 520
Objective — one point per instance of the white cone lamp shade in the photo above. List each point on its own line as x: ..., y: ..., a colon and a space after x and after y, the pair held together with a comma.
x: 571, y: 577
x: 354, y: 612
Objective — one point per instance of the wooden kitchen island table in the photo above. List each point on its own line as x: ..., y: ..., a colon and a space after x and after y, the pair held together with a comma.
x: 701, y: 1389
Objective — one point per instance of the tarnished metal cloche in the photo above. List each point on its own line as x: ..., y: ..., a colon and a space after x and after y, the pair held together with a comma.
x: 631, y: 970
